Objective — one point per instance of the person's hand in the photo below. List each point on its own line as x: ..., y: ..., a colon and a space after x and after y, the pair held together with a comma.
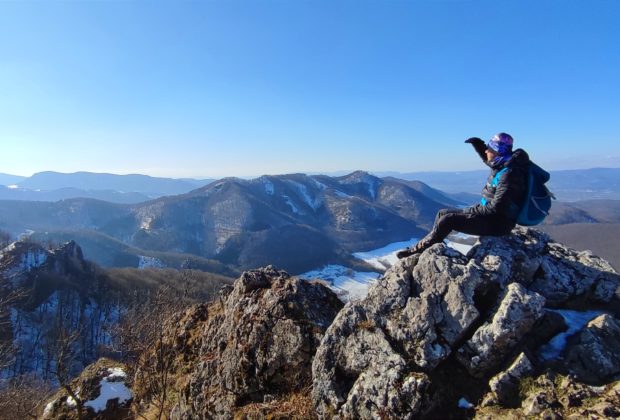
x: 479, y: 145
x: 476, y: 142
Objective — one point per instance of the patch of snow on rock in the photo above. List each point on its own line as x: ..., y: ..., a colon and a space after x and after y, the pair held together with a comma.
x: 146, y: 223
x: 112, y: 387
x: 575, y: 320
x: 49, y: 408
x: 462, y: 248
x: 463, y: 403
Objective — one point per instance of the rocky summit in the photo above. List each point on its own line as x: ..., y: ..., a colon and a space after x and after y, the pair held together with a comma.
x: 521, y: 326
x: 442, y: 330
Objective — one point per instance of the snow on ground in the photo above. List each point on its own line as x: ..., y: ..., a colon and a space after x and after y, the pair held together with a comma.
x: 341, y: 278
x: 356, y: 283
x: 112, y: 387
x: 385, y: 257
x: 150, y: 262
x: 575, y: 320
x: 318, y: 184
x: 290, y: 203
x: 302, y: 191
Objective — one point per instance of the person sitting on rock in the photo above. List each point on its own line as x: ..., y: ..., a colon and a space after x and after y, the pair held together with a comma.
x: 501, y: 201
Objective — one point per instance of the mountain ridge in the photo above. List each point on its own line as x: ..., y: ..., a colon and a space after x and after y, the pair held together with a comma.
x: 238, y: 221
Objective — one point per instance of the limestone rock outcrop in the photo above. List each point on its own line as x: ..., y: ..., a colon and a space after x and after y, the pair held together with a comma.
x: 442, y: 326
x: 256, y: 343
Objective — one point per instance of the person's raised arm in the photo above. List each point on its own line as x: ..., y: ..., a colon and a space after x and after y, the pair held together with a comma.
x: 479, y: 146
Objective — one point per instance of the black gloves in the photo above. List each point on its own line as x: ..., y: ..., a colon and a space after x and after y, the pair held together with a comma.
x: 479, y: 146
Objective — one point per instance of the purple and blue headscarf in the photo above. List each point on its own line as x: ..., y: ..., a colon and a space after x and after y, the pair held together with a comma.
x: 501, y: 144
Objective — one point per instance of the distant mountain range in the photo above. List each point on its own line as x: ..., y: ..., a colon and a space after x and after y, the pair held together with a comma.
x: 54, y: 186
x: 7, y: 179
x: 567, y: 185
x: 296, y: 221
x: 465, y: 186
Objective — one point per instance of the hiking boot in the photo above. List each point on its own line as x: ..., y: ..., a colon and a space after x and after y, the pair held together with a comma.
x: 407, y: 252
x: 417, y: 249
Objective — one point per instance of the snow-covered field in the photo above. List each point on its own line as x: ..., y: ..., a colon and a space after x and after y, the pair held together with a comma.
x: 354, y: 284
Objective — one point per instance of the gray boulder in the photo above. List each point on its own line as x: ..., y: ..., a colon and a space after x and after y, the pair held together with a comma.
x: 594, y: 355
x: 558, y: 273
x: 496, y: 339
x: 505, y: 385
x: 374, y: 357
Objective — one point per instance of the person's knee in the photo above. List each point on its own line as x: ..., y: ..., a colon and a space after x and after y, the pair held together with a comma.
x: 443, y: 212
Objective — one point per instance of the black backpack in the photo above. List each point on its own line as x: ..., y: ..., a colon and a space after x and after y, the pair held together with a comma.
x: 538, y: 197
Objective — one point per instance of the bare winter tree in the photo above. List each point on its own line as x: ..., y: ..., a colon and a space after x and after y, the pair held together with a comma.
x: 20, y: 396
x: 65, y: 355
x: 147, y: 330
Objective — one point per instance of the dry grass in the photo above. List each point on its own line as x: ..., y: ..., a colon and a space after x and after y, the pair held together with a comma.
x: 293, y: 406
x: 367, y: 324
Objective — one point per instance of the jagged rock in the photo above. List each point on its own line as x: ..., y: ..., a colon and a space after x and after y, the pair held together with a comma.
x: 434, y: 309
x: 505, y: 385
x: 20, y: 263
x: 256, y: 342
x: 103, y: 389
x: 558, y: 273
x: 359, y: 370
x: 518, y: 312
x: 594, y: 356
x: 45, y: 291
x: 405, y: 326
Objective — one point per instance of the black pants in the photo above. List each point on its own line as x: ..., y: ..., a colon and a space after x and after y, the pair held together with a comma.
x: 461, y: 220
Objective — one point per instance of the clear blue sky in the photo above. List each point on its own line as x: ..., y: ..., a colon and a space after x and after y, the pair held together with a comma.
x: 218, y: 88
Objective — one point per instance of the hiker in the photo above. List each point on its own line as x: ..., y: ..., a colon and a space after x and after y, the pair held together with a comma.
x: 501, y: 201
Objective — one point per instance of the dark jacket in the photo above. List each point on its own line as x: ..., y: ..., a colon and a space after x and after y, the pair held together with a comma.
x: 504, y: 201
